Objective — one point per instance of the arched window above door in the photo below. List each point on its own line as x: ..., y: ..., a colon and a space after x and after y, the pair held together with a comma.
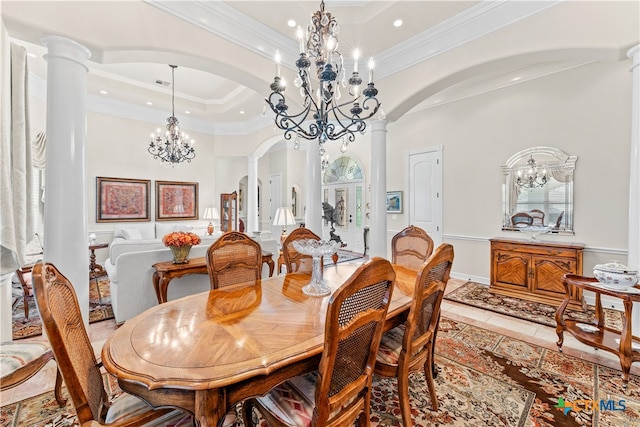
x: 343, y: 169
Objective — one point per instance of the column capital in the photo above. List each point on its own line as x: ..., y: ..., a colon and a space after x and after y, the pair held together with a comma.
x: 379, y: 125
x: 64, y: 48
x: 634, y: 51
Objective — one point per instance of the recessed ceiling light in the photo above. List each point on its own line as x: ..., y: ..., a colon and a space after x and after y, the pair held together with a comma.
x: 149, y: 103
x: 187, y: 112
x: 241, y: 111
x: 104, y: 92
x: 32, y: 55
x: 291, y: 23
x: 397, y: 23
x: 515, y: 79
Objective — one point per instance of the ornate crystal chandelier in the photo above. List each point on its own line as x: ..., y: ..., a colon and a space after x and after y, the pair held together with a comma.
x: 174, y: 146
x: 530, y: 177
x: 325, y: 114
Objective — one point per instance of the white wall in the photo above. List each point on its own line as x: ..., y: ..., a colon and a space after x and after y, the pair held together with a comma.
x: 584, y: 112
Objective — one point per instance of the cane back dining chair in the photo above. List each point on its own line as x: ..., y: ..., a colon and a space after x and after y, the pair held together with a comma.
x: 339, y: 392
x: 521, y: 219
x: 409, y: 347
x: 63, y: 324
x: 20, y: 361
x: 295, y: 261
x: 411, y: 247
x: 233, y: 258
x: 538, y: 217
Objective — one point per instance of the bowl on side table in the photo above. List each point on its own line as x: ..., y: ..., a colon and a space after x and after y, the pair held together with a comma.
x: 614, y: 275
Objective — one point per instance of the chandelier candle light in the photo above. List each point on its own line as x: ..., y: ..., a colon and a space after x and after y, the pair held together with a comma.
x: 174, y: 146
x: 530, y: 177
x: 324, y: 116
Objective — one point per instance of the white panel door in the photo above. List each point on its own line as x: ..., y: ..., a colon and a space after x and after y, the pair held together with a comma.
x: 425, y: 192
x: 275, y: 182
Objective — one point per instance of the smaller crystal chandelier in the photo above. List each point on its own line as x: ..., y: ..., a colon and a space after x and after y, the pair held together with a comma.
x: 530, y: 177
x: 174, y: 146
x: 326, y: 113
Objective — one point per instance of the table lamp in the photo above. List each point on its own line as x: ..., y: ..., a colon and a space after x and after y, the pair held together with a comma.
x: 210, y: 214
x: 283, y: 217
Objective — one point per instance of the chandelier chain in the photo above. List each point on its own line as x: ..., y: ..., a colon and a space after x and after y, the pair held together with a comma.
x: 175, y: 147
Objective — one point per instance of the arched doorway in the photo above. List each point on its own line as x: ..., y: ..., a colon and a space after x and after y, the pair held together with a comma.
x: 343, y: 188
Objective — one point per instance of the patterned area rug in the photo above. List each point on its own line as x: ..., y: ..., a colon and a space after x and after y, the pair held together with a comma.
x: 478, y: 295
x: 485, y: 379
x: 99, y: 309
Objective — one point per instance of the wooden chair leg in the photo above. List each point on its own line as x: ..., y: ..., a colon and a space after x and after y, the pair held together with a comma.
x: 403, y: 397
x: 428, y: 373
x: 57, y: 391
x: 247, y: 413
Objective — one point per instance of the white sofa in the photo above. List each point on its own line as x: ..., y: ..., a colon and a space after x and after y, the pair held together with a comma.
x: 132, y: 253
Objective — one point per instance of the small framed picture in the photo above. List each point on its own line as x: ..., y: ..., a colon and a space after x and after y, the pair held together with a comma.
x: 122, y: 199
x: 394, y: 201
x: 176, y: 200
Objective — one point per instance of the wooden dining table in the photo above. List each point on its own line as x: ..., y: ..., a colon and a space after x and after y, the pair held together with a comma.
x: 204, y: 353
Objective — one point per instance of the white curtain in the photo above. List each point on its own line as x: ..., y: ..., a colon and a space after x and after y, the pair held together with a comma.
x: 16, y: 169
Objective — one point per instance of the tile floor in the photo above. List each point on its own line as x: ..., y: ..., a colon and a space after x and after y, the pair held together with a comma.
x: 527, y: 331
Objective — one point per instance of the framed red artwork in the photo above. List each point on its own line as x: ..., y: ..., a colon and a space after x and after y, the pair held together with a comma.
x: 122, y: 199
x: 176, y: 200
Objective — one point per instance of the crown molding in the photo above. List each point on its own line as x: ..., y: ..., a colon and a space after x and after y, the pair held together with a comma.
x: 224, y: 21
x: 464, y: 27
x: 479, y: 20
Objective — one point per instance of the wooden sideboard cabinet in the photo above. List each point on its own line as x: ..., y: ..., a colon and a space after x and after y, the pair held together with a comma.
x: 533, y: 270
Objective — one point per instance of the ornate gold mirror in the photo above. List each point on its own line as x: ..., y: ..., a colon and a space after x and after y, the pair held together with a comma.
x: 537, y: 191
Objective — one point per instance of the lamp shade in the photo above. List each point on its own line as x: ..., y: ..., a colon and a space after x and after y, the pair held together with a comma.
x: 211, y: 213
x: 284, y: 217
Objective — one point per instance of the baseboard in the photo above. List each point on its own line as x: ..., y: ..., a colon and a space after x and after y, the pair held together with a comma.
x: 470, y: 278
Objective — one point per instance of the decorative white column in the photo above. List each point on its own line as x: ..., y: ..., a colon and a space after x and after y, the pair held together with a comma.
x: 378, y: 222
x: 65, y: 208
x: 313, y: 199
x: 253, y: 225
x: 633, y: 258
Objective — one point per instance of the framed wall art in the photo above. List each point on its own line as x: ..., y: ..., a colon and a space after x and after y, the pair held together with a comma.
x: 394, y: 202
x: 122, y: 199
x: 176, y: 200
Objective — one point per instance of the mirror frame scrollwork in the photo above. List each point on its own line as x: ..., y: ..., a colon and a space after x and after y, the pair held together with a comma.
x: 560, y: 168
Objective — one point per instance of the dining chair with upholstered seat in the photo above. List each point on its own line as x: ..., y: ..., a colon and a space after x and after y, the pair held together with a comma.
x: 411, y: 247
x: 521, y: 219
x: 20, y: 361
x: 295, y: 261
x: 62, y: 321
x: 339, y: 392
x: 538, y: 217
x: 409, y: 347
x: 233, y: 258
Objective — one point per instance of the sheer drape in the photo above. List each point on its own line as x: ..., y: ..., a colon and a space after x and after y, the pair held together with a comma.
x: 16, y: 165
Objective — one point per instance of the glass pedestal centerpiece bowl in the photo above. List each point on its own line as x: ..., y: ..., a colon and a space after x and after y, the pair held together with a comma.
x: 535, y: 231
x: 317, y: 249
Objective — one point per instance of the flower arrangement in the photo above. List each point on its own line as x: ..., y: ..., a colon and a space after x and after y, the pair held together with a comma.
x: 181, y: 238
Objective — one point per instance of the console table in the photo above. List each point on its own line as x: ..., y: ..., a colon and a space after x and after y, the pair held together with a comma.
x: 533, y: 270
x: 167, y: 270
x: 621, y: 343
